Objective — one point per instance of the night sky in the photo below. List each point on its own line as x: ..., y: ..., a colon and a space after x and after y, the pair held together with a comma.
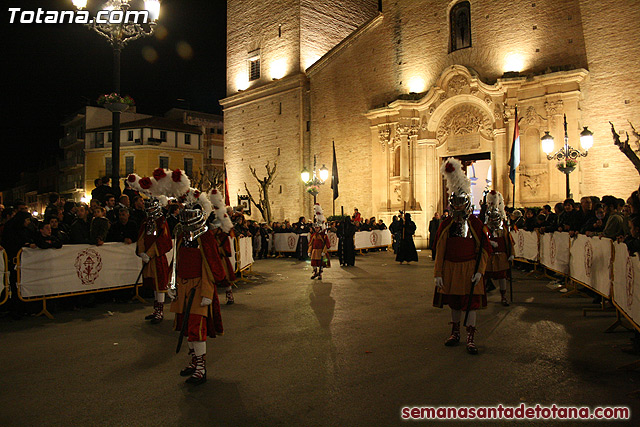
x: 52, y: 70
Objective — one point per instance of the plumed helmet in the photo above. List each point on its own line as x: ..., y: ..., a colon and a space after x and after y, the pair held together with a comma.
x: 318, y: 216
x: 495, y: 210
x: 221, y: 217
x: 458, y: 184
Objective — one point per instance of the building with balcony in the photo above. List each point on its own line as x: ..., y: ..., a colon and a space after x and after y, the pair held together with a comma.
x: 145, y: 145
x: 72, y: 174
x: 212, y: 136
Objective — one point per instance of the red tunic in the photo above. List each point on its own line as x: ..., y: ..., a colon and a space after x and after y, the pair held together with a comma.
x: 199, y: 268
x: 498, y: 264
x: 156, y: 272
x: 319, y: 245
x: 224, y: 251
x: 456, y: 259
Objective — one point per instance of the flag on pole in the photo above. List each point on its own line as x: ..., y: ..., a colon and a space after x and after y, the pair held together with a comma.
x: 334, y: 174
x: 226, y: 187
x: 514, y: 160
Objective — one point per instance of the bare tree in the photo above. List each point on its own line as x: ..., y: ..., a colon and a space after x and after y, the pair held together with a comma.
x: 208, y: 179
x: 263, y: 204
x: 626, y: 148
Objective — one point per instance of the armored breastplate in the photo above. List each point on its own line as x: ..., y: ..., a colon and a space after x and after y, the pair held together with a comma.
x: 459, y: 228
x: 150, y: 228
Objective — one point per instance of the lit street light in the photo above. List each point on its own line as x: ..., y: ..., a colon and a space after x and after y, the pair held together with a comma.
x: 567, y: 156
x: 118, y: 35
x: 313, y: 183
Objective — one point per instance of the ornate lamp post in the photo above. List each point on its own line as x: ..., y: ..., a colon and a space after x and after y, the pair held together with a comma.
x: 567, y: 156
x: 313, y: 183
x: 118, y: 35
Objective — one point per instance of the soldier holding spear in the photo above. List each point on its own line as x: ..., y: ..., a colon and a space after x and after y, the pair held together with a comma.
x: 462, y: 253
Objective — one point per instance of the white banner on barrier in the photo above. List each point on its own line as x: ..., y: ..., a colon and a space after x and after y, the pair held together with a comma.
x: 372, y: 239
x: 285, y: 242
x: 526, y: 244
x: 626, y: 281
x: 245, y: 252
x: 590, y: 262
x: 555, y: 251
x: 77, y: 268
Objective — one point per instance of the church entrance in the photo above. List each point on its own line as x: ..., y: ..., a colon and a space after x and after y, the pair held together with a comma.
x: 477, y: 166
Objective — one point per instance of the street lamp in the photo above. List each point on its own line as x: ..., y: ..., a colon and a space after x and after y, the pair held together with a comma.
x: 567, y: 156
x: 118, y: 35
x: 313, y: 183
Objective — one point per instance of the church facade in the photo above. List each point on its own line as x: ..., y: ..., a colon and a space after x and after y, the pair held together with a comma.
x: 399, y: 86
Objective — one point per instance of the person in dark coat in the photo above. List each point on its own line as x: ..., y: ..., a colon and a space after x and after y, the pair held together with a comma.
x: 407, y: 249
x: 346, y: 234
x: 81, y: 228
x: 394, y: 228
x: 433, y: 229
x: 124, y: 230
x: 302, y: 228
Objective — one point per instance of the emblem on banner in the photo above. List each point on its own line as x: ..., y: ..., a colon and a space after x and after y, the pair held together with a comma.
x: 552, y: 250
x: 588, y: 258
x: 88, y: 265
x: 521, y: 243
x: 629, y: 282
x: 291, y: 241
x: 333, y: 239
x: 374, y: 239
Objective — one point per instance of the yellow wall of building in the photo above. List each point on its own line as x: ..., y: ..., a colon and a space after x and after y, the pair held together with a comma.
x: 146, y: 159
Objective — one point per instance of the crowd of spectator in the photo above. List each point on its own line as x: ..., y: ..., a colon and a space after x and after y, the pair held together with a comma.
x: 609, y: 216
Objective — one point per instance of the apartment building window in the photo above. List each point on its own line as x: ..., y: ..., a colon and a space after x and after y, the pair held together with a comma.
x: 188, y: 166
x: 163, y: 135
x: 460, y: 26
x: 254, y: 65
x: 128, y: 161
x: 99, y: 140
x: 164, y: 162
x: 109, y: 137
x: 130, y: 135
x: 187, y: 139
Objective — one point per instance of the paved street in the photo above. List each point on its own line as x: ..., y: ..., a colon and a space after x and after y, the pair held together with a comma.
x: 352, y: 349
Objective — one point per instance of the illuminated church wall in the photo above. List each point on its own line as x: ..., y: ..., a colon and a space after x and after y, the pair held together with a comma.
x: 575, y: 49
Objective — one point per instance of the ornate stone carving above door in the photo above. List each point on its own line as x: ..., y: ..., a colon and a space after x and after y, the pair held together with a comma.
x: 463, y: 120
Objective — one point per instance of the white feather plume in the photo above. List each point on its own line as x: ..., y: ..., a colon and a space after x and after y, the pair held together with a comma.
x: 457, y: 180
x: 222, y: 219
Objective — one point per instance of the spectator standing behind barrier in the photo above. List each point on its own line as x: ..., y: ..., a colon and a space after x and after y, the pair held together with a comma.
x: 68, y: 215
x: 57, y: 233
x: 81, y: 228
x: 357, y: 218
x: 124, y: 230
x: 99, y: 227
x: 138, y: 215
x: 595, y: 224
x: 172, y: 217
x: 613, y: 226
x: 110, y: 208
x: 45, y: 240
x: 633, y: 240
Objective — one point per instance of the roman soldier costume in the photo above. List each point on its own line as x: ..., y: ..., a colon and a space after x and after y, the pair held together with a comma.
x: 462, y: 253
x: 501, y: 242
x: 319, y: 244
x: 222, y: 229
x: 154, y: 241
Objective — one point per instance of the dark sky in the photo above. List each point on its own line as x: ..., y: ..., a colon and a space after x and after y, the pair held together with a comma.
x: 52, y: 70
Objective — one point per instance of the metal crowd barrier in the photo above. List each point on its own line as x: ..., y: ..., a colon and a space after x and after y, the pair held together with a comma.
x: 597, y: 263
